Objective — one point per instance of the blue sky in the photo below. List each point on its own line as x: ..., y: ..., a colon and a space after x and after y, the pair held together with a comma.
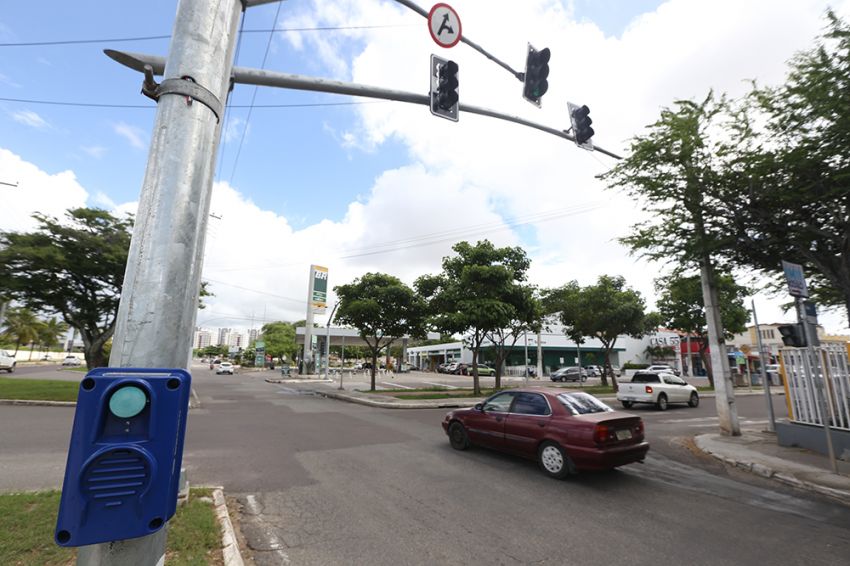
x: 333, y: 184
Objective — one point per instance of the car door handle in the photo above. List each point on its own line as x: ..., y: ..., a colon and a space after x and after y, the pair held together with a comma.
x: 498, y: 419
x: 541, y: 425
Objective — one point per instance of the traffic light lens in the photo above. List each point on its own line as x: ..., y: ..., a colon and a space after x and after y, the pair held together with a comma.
x: 127, y: 402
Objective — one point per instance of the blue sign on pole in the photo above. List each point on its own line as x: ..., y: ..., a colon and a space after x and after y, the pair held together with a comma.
x: 795, y: 279
x: 123, y: 470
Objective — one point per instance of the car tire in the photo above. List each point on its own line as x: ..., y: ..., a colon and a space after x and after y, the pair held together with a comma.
x: 554, y: 461
x: 627, y: 404
x: 661, y: 403
x: 458, y: 437
x: 694, y: 400
x: 12, y: 369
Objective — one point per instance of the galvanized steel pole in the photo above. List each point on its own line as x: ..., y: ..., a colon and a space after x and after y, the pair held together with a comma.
x: 764, y: 377
x: 162, y: 280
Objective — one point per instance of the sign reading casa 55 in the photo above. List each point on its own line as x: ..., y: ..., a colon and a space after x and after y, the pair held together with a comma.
x: 318, y: 288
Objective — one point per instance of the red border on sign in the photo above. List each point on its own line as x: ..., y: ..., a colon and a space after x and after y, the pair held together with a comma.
x: 431, y: 30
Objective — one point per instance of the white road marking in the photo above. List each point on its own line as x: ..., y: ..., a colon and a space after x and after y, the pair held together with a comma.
x: 441, y: 385
x: 397, y: 385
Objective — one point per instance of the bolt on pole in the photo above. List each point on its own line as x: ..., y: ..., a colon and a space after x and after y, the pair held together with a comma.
x: 162, y: 279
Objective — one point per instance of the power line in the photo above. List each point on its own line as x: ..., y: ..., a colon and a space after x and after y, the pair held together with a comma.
x: 299, y: 301
x: 156, y: 37
x: 253, y: 98
x: 153, y: 106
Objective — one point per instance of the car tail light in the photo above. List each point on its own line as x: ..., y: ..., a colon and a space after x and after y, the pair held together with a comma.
x: 601, y: 433
x: 639, y: 428
x: 648, y: 389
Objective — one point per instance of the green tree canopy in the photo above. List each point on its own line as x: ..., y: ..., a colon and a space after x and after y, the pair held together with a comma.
x: 479, y: 291
x: 22, y: 326
x: 73, y: 268
x: 681, y: 307
x: 527, y: 317
x: 382, y: 309
x: 604, y: 311
x: 279, y: 339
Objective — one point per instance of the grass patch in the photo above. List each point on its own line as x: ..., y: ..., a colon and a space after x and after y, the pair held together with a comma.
x: 38, y: 389
x: 27, y: 521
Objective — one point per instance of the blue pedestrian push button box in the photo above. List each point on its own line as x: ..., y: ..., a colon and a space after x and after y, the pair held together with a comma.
x: 123, y: 469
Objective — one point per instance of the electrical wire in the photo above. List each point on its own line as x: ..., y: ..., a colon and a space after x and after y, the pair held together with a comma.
x: 299, y: 301
x: 153, y: 106
x: 227, y: 105
x: 155, y: 37
x: 253, y: 98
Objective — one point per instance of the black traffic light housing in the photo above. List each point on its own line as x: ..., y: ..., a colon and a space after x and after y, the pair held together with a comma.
x: 793, y: 335
x: 536, y: 72
x: 580, y: 122
x: 445, y: 101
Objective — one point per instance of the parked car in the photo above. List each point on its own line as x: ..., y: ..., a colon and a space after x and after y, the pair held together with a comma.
x: 224, y: 367
x: 71, y: 361
x: 663, y: 367
x: 575, y: 431
x: 593, y: 371
x: 443, y: 367
x: 483, y: 369
x: 568, y: 374
x: 7, y: 361
x: 657, y: 388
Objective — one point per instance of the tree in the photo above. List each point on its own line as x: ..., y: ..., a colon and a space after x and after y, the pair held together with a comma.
x: 478, y: 292
x: 528, y: 313
x: 50, y: 332
x: 73, y: 268
x: 790, y: 181
x: 681, y: 306
x: 382, y: 309
x: 279, y: 339
x: 604, y: 311
x: 22, y: 326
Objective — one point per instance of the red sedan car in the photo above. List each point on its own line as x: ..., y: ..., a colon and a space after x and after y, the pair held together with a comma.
x: 565, y: 432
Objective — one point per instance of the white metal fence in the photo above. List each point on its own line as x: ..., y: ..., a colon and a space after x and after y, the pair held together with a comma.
x: 804, y: 377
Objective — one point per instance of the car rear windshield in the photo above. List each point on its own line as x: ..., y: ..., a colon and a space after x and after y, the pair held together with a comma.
x: 646, y: 378
x: 582, y: 403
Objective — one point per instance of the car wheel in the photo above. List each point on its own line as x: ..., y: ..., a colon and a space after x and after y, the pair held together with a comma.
x: 458, y: 437
x: 662, y: 402
x: 694, y: 402
x: 554, y: 461
x: 563, y: 380
x: 12, y: 369
x: 627, y: 404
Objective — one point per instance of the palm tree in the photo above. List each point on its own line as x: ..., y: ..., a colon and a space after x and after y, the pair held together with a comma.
x: 50, y: 332
x: 21, y: 325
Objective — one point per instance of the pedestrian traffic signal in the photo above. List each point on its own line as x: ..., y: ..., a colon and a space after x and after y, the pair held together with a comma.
x: 536, y: 73
x: 123, y: 469
x: 445, y: 101
x: 580, y: 122
x: 792, y: 335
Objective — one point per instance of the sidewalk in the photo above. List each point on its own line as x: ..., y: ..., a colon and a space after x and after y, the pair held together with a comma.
x: 754, y: 451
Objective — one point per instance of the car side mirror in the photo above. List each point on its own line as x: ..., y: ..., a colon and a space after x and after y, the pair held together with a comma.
x: 479, y: 406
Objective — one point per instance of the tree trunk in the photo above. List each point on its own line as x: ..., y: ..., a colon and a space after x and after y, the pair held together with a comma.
x: 476, y: 383
x: 500, y: 357
x: 706, y: 363
x: 374, y: 368
x: 607, y: 368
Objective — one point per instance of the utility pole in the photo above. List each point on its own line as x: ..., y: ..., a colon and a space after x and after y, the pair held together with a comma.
x: 162, y: 280
x: 765, y: 379
x: 727, y: 411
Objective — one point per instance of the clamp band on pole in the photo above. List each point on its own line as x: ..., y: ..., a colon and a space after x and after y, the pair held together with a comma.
x: 185, y: 86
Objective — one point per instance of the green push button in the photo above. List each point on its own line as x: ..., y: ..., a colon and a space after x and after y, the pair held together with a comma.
x: 127, y: 402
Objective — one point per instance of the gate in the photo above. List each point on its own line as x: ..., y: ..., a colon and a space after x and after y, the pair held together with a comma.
x: 804, y: 384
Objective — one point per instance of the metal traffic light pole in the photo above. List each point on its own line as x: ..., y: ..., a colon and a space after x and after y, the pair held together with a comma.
x: 162, y: 279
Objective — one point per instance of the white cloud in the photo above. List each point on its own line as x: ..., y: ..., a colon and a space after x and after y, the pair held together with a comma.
x: 134, y: 136
x: 29, y: 118
x: 37, y: 191
x: 96, y: 151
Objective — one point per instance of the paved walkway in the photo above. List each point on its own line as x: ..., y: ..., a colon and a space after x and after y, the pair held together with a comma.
x: 755, y: 451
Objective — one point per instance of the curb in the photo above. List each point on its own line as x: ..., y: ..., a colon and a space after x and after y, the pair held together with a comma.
x: 766, y: 471
x: 229, y: 544
x: 447, y: 404
x: 38, y: 403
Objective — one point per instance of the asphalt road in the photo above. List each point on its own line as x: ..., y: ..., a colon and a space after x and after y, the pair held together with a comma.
x: 326, y: 482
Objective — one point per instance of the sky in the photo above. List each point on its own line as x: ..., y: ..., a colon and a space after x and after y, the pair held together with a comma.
x: 359, y: 185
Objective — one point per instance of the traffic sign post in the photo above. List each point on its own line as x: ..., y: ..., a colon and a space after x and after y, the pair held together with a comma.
x: 444, y: 25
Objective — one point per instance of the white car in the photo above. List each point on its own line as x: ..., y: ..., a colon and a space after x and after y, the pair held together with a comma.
x: 224, y: 367
x: 657, y: 388
x: 7, y: 361
x: 662, y: 367
x: 71, y: 361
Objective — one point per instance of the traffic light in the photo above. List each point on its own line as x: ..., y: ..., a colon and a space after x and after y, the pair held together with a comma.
x: 536, y: 73
x: 444, y: 88
x: 123, y: 470
x: 580, y: 122
x: 793, y: 335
